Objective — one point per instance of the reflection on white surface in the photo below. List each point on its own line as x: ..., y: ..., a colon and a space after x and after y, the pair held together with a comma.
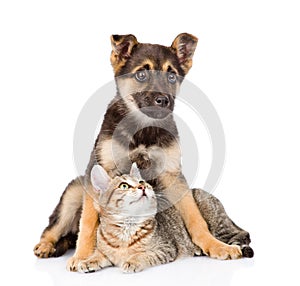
x: 198, y: 270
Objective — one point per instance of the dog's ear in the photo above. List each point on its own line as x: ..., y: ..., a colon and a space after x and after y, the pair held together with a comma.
x: 121, y: 49
x: 184, y: 46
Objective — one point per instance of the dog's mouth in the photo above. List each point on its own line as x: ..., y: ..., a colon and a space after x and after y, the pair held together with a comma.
x: 156, y: 112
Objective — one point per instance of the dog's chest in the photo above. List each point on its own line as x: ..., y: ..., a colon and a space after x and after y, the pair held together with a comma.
x: 117, y: 158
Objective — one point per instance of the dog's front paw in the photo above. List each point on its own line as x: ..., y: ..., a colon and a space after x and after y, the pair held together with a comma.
x: 141, y: 157
x: 44, y: 249
x: 223, y: 251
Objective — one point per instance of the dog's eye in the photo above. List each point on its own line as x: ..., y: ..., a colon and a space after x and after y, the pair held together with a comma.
x: 172, y: 77
x: 141, y: 75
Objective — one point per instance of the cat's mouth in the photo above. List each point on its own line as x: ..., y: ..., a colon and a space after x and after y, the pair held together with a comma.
x: 142, y: 197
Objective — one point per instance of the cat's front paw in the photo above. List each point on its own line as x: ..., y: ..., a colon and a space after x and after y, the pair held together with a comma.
x: 93, y: 263
x: 89, y: 265
x: 44, y: 249
x: 72, y: 264
x: 132, y: 267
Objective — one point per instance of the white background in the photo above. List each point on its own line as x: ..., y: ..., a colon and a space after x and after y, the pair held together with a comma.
x: 55, y: 54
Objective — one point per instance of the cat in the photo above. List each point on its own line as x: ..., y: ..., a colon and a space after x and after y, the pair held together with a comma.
x: 134, y: 236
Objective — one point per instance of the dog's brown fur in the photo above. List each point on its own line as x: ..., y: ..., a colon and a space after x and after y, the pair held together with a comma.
x: 114, y: 154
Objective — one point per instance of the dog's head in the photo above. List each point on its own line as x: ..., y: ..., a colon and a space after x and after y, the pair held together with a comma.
x: 148, y: 76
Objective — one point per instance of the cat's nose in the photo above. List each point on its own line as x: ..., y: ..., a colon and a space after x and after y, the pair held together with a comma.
x: 141, y: 187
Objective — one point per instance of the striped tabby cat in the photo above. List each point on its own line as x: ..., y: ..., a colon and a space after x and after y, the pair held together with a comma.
x: 133, y: 235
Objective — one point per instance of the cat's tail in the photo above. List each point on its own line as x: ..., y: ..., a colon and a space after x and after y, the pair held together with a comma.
x: 243, y: 240
x: 220, y: 224
x: 247, y: 251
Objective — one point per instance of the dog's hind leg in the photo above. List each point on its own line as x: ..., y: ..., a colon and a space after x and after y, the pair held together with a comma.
x: 61, y: 233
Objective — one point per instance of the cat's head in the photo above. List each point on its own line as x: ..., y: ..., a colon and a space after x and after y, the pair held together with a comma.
x: 125, y: 195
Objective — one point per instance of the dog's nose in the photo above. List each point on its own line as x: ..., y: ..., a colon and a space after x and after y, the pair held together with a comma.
x: 162, y: 101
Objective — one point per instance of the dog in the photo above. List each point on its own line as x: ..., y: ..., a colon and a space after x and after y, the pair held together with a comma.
x: 138, y: 127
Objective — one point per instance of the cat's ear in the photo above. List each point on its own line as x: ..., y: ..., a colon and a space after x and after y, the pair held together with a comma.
x: 184, y: 46
x: 100, y: 179
x: 135, y: 172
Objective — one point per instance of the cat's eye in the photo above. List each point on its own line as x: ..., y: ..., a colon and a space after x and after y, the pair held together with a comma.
x: 124, y: 186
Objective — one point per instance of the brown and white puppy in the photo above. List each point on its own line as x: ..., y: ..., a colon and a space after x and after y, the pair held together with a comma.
x: 138, y: 126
